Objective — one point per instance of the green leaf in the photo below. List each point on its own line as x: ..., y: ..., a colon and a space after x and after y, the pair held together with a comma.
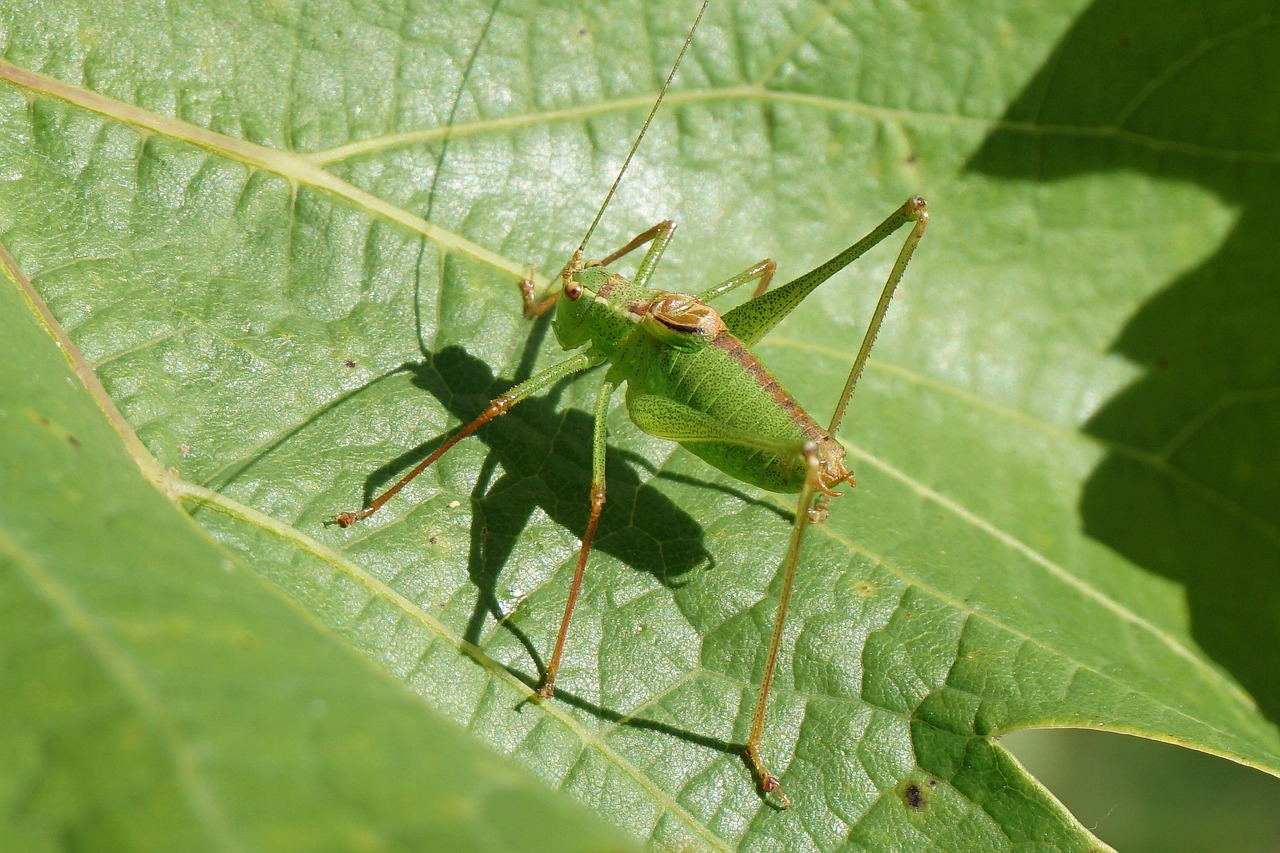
x: 286, y: 238
x: 159, y: 696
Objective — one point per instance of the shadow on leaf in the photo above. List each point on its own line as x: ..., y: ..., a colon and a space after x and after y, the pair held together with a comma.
x: 1189, y: 486
x: 540, y: 458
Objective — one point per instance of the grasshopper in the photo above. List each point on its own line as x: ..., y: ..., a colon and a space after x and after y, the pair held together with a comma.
x: 691, y: 377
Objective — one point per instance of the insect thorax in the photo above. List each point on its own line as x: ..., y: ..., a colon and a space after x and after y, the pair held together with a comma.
x: 608, y: 310
x: 594, y: 316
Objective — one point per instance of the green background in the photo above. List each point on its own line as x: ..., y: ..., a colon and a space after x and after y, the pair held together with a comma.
x: 284, y: 238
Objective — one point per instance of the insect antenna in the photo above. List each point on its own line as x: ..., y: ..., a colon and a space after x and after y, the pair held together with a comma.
x: 643, y: 129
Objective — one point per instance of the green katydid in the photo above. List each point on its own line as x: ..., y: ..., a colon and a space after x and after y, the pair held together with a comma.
x: 692, y: 378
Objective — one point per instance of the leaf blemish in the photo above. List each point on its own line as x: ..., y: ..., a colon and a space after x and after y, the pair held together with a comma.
x: 914, y: 797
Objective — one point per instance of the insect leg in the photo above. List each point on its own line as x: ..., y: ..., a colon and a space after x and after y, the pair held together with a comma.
x: 752, y: 320
x: 666, y: 418
x: 767, y: 781
x: 500, y: 406
x: 761, y: 270
x: 660, y: 235
x: 598, y: 446
x: 882, y: 306
x: 533, y: 307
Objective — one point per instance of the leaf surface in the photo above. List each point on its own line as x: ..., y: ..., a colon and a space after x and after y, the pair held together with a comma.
x: 286, y: 239
x: 160, y: 696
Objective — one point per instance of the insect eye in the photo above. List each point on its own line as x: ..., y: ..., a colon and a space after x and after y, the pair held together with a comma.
x: 572, y: 291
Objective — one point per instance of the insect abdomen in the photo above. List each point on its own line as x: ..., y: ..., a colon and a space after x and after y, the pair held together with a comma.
x: 728, y: 384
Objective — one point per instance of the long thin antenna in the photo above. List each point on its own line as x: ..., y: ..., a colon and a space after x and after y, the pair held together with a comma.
x: 643, y: 128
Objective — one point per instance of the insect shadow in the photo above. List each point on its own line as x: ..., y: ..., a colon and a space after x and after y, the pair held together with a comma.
x: 539, y: 458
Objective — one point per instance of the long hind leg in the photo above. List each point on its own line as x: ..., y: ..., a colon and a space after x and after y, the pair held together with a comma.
x: 666, y: 418
x: 804, y: 515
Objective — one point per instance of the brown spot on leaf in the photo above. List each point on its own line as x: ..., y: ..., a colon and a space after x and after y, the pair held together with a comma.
x: 914, y: 797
